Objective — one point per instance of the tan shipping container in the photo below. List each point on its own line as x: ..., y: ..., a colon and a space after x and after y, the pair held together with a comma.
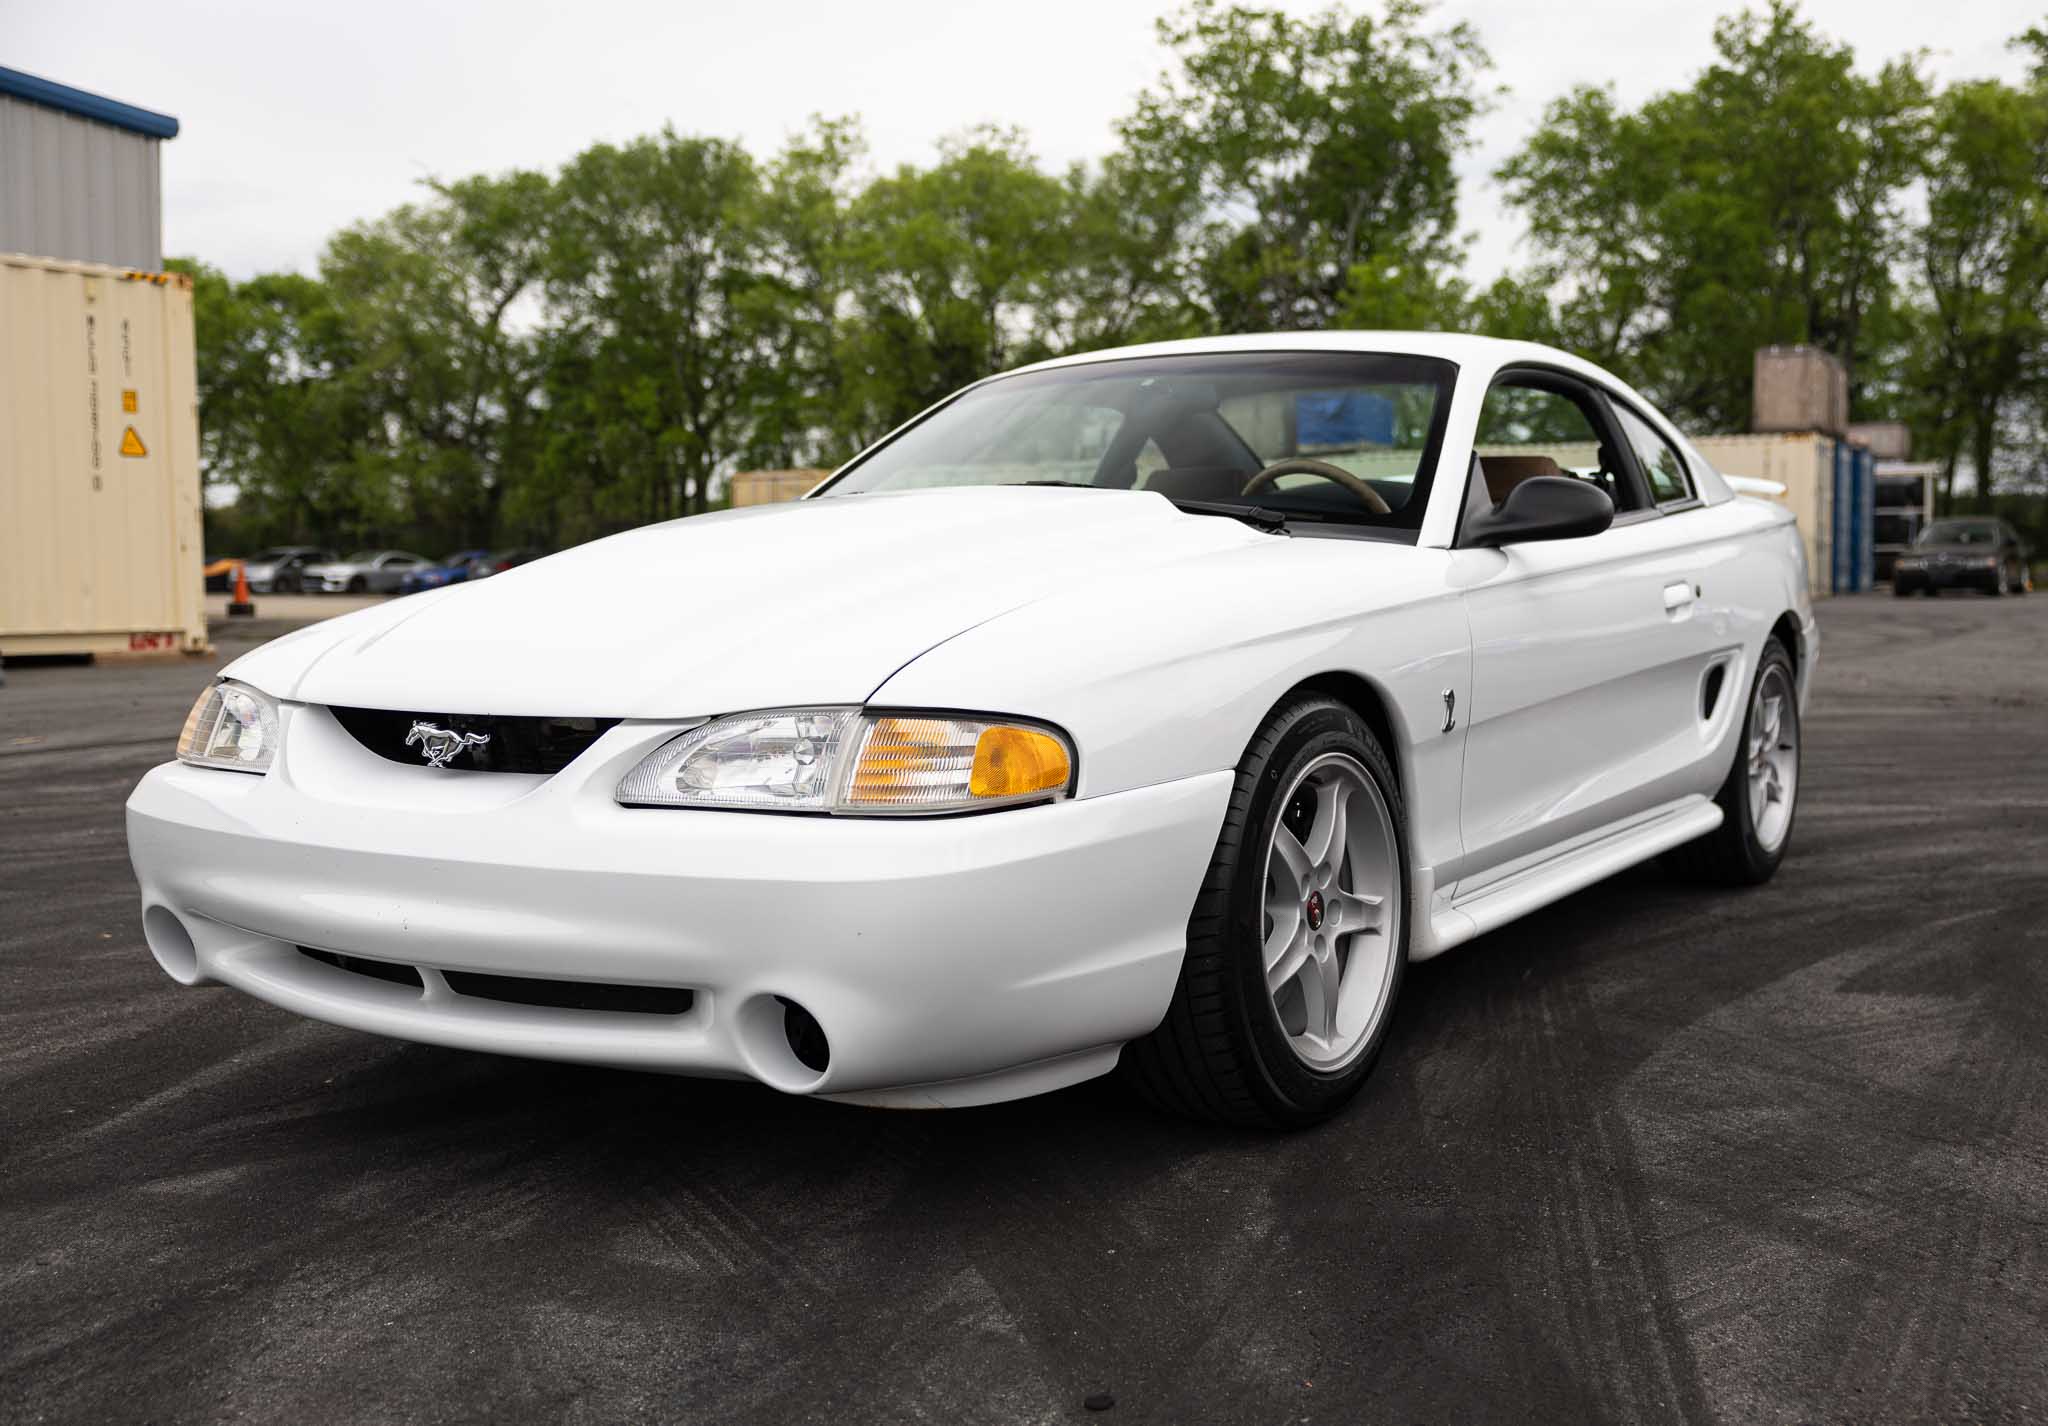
x: 100, y: 542
x: 1804, y: 463
x: 772, y: 487
x: 1799, y: 389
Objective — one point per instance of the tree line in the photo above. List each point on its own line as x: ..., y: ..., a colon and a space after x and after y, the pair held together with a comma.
x: 544, y: 357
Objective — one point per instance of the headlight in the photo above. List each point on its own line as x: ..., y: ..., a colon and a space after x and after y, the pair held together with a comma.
x: 231, y: 726
x: 846, y: 761
x: 1907, y: 562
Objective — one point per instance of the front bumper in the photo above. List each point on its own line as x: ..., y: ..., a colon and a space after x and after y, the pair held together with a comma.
x: 947, y: 961
x: 1945, y: 576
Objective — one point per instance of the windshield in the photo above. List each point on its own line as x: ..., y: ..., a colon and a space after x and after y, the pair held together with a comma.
x: 1959, y: 532
x: 1332, y: 436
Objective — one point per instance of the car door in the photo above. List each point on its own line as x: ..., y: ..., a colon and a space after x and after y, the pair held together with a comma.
x: 1587, y: 654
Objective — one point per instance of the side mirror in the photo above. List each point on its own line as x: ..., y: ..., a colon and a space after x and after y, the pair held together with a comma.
x: 1543, y: 507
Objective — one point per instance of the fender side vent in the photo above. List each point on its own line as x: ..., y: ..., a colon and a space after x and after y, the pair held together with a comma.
x: 1710, y: 690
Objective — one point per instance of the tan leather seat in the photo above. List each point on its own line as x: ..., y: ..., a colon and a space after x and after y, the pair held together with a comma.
x: 1504, y: 473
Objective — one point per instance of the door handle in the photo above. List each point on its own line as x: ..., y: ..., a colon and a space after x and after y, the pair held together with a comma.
x: 1678, y: 596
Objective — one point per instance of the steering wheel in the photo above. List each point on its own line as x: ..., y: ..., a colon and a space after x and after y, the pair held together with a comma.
x: 1301, y: 465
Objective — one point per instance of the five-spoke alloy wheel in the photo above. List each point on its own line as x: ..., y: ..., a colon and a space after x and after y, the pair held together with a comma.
x: 1331, y: 915
x: 1300, y: 934
x: 1761, y: 794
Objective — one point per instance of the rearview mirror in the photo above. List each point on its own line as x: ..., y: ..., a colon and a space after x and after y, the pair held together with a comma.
x: 1543, y: 507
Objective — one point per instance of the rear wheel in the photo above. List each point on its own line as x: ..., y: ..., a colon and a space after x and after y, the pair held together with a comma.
x: 1299, y: 937
x: 1761, y: 793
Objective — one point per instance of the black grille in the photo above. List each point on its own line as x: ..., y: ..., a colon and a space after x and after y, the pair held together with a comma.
x: 544, y: 745
x: 571, y: 994
x: 523, y: 989
x: 376, y: 970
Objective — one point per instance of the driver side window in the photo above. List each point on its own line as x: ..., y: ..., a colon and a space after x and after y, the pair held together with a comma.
x: 1553, y: 429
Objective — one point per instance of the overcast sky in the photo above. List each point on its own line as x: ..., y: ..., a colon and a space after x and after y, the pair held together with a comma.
x: 297, y: 120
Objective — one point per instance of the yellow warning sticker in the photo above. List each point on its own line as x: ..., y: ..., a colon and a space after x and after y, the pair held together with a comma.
x: 128, y: 400
x: 131, y: 444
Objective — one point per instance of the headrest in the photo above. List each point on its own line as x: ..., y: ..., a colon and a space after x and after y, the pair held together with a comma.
x: 1504, y: 473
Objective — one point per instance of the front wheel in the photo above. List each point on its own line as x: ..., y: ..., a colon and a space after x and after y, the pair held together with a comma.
x: 1299, y: 937
x: 358, y: 585
x: 1760, y: 795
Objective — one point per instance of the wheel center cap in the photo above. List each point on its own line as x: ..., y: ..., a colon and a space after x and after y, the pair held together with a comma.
x: 1314, y: 910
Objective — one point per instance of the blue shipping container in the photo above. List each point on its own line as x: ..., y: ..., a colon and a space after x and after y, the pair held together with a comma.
x: 1854, y: 559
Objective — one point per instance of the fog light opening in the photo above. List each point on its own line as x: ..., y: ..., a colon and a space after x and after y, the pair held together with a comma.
x: 805, y: 1035
x: 171, y: 944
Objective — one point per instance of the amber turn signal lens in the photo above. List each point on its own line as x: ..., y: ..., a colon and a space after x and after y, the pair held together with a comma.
x: 1010, y: 762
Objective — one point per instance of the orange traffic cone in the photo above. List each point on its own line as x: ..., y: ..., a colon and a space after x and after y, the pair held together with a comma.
x: 240, y: 607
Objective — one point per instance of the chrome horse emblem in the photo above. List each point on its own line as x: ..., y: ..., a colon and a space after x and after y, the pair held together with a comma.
x: 441, y: 746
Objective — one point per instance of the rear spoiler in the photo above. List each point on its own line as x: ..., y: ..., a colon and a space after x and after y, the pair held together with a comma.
x: 1750, y: 485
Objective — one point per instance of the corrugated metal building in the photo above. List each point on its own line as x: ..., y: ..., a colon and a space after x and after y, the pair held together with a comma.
x: 81, y: 176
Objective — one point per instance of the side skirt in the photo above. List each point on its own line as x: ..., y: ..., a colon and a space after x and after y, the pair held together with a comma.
x: 1451, y: 922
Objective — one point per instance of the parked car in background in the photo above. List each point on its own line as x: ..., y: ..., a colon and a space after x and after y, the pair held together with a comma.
x: 498, y: 561
x: 452, y: 570
x: 1155, y: 706
x: 282, y: 569
x: 364, y: 572
x: 1977, y: 552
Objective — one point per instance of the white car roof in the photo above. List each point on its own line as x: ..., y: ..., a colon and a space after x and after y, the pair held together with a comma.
x: 1473, y: 354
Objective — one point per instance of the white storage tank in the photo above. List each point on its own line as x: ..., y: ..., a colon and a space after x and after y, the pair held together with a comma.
x: 100, y: 539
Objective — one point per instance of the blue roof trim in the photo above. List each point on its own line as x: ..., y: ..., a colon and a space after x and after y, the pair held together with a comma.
x: 90, y: 106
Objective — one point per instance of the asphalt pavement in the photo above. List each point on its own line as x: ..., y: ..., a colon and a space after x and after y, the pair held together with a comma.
x: 1656, y: 1153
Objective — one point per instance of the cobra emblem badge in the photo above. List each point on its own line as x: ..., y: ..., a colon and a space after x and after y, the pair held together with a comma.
x: 441, y: 746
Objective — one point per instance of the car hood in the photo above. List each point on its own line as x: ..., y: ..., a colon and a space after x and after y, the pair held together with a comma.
x: 1953, y: 549
x: 814, y: 602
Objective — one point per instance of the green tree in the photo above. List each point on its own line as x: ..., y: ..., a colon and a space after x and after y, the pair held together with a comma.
x: 284, y: 407
x: 429, y: 294
x: 1981, y: 261
x: 951, y: 273
x: 1762, y: 204
x: 1313, y: 146
x: 667, y: 331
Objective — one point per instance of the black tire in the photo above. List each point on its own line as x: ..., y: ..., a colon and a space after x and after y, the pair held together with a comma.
x: 1731, y: 855
x: 358, y: 585
x: 1899, y: 591
x: 1930, y: 591
x: 1221, y: 1053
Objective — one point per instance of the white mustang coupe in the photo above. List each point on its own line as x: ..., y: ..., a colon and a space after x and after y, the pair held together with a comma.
x: 1154, y: 706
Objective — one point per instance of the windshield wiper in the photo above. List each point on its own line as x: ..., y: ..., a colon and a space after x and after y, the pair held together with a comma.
x: 1257, y: 516
x: 1069, y: 484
